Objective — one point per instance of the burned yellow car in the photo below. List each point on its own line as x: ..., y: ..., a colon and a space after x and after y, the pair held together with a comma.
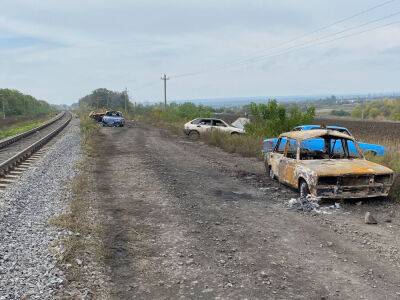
x: 326, y: 164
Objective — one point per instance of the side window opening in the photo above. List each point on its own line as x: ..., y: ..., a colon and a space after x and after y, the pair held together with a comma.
x: 205, y: 122
x: 218, y: 123
x: 292, y: 149
x: 281, y: 145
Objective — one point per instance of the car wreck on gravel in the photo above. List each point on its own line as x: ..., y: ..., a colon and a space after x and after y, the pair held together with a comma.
x: 326, y: 164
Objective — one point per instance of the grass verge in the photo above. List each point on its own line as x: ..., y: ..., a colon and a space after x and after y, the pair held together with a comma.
x: 82, y: 248
x: 22, y: 127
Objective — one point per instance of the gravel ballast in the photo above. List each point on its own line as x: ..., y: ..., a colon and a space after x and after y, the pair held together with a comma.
x: 28, y: 244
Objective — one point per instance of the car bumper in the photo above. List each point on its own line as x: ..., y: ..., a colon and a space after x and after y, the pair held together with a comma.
x: 113, y: 124
x: 186, y: 131
x: 352, y: 192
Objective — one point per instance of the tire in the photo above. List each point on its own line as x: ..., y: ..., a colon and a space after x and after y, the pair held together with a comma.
x: 235, y: 133
x: 304, y: 191
x: 194, y: 135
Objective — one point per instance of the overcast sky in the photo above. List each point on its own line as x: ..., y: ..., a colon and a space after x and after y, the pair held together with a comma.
x: 61, y: 50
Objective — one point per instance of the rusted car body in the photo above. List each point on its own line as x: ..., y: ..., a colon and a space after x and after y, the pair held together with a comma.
x: 97, y: 116
x: 336, y: 169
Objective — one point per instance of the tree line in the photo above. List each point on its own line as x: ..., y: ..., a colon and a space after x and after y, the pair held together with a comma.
x: 104, y: 99
x: 14, y: 103
x: 388, y: 109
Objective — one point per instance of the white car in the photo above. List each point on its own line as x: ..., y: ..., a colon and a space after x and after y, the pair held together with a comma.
x: 199, y: 126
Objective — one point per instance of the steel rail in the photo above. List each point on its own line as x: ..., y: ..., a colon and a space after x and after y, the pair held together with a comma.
x: 15, y: 138
x: 18, y: 158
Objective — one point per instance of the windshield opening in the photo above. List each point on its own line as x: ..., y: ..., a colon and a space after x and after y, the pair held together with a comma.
x: 329, y: 147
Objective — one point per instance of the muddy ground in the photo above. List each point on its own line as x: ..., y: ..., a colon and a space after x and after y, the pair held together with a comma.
x: 183, y: 219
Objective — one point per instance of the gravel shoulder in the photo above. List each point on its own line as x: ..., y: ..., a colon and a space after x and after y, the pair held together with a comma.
x: 183, y: 219
x: 29, y: 246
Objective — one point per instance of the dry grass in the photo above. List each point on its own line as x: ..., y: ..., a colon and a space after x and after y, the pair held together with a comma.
x: 391, y: 160
x: 245, y: 145
x: 80, y: 220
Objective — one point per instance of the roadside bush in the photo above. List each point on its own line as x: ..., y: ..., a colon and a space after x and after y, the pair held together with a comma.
x: 180, y: 112
x: 340, y: 113
x: 271, y: 119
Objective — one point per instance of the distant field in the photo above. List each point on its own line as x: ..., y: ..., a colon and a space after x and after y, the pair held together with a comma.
x: 385, y: 133
x: 326, y: 111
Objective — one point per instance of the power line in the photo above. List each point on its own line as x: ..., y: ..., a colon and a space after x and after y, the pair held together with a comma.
x: 254, y: 59
x: 291, y: 40
x: 296, y: 46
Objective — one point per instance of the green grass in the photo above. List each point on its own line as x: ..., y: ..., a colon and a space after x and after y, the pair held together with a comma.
x: 21, y: 127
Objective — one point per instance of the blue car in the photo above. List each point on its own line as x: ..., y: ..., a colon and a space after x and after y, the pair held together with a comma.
x: 377, y: 150
x: 113, y: 119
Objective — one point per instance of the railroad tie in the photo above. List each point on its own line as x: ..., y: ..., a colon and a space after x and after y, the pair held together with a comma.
x: 6, y: 181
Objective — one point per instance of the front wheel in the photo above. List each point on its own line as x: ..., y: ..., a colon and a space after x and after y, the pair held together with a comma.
x: 194, y: 135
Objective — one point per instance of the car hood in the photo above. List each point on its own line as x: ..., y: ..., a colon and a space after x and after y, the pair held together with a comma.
x: 340, y: 167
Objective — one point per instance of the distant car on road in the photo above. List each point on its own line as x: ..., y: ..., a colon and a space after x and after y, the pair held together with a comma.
x: 326, y: 164
x: 199, y: 126
x: 374, y: 149
x: 113, y: 119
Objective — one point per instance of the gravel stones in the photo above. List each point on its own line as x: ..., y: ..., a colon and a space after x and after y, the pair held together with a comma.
x: 28, y: 244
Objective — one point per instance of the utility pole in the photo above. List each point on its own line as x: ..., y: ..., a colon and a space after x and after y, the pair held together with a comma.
x: 126, y: 96
x: 165, y: 78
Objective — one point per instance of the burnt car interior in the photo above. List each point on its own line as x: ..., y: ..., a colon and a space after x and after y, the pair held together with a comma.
x: 324, y: 147
x: 328, y: 147
x: 113, y: 114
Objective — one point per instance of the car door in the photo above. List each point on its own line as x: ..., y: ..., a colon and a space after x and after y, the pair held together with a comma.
x: 277, y: 154
x: 204, y: 125
x: 288, y: 162
x: 219, y: 125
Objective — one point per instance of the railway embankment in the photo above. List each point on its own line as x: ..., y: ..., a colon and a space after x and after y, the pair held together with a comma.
x: 30, y: 247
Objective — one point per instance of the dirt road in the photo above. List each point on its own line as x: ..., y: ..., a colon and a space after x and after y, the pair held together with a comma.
x: 183, y: 219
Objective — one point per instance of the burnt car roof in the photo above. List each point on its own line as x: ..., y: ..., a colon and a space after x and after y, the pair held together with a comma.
x: 315, y: 133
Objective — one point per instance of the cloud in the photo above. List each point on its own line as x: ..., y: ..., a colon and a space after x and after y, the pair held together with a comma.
x: 61, y: 50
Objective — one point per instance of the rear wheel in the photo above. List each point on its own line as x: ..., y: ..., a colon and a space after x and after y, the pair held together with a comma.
x: 303, y: 189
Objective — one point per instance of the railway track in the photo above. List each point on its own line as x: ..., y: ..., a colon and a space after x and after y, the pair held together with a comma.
x: 17, y: 153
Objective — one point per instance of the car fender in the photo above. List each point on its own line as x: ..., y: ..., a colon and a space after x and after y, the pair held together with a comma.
x: 378, y: 149
x: 309, y: 176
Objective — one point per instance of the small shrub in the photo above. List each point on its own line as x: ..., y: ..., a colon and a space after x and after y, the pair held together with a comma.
x: 271, y: 119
